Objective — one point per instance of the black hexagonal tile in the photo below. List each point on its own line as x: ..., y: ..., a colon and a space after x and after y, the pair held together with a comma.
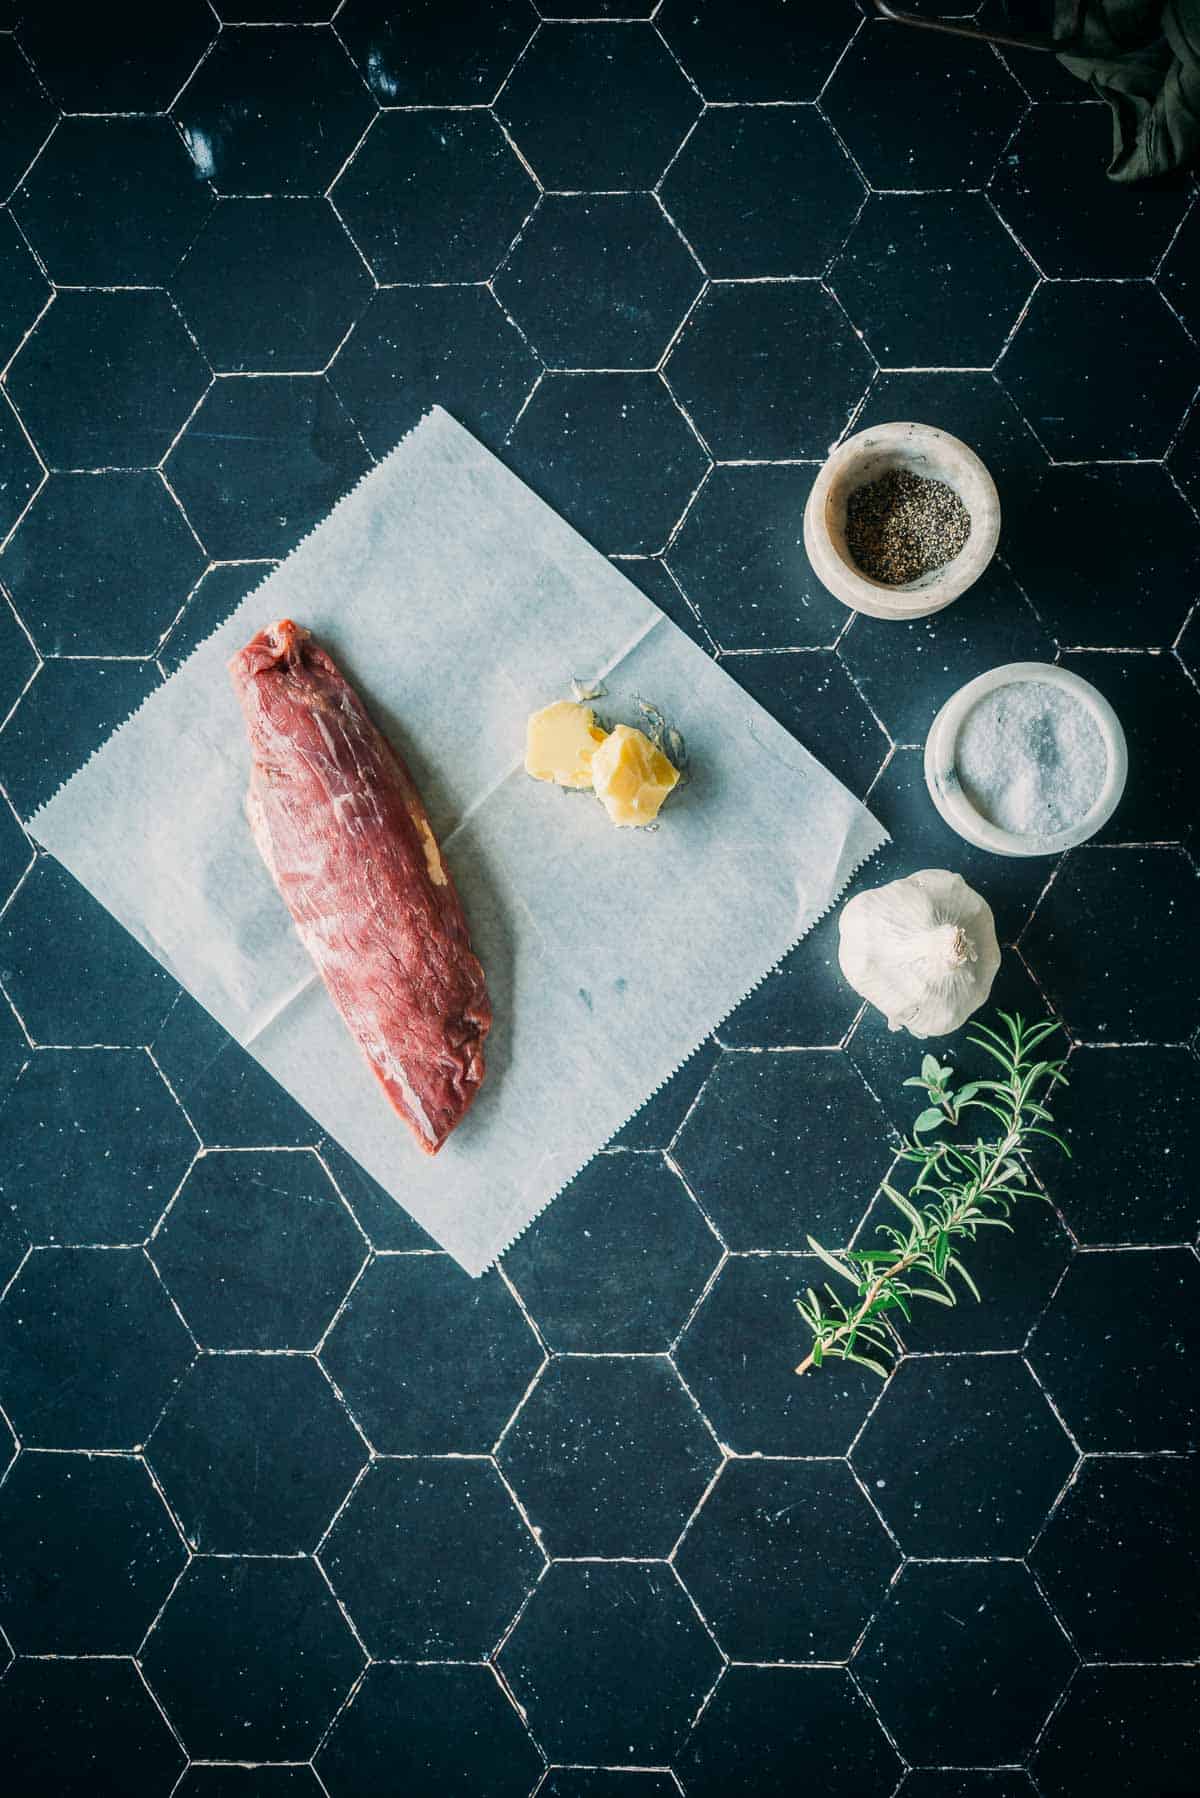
x: 613, y: 453
x: 112, y: 202
x: 1187, y: 647
x: 87, y: 1554
x: 1133, y: 1112
x: 1040, y: 76
x: 271, y: 284
x: 1052, y: 189
x: 963, y: 1455
x: 14, y: 1246
x: 251, y: 1658
x: 1119, y: 1560
x: 102, y: 564
x: 90, y: 1349
x: 107, y: 379
x: 1184, y: 460
x: 801, y: 370
x: 68, y: 712
x: 932, y: 1782
x: 964, y: 1662
x: 273, y: 111
x: 655, y: 1125
x: 970, y: 405
x: 891, y: 84
x: 385, y: 1223
x: 784, y: 1143
x: 72, y: 972
x: 231, y: 1100
x: 769, y: 52
x: 17, y: 653
x: 617, y: 1261
x: 814, y: 697
x: 28, y: 115
x: 262, y: 461
x: 451, y: 1728
x: 906, y: 671
x: 258, y: 1250
x: 763, y: 191
x: 76, y: 1728
x: 1179, y: 276
x: 805, y: 999
x: 98, y: 1146
x: 606, y: 1782
x: 233, y: 1417
x: 434, y: 196
x: 599, y: 280
x: 655, y: 580
x: 800, y: 1527
x: 739, y: 557
x: 1064, y: 562
x: 1109, y: 943
x: 739, y: 1354
x: 20, y: 471
x: 796, y: 1717
x: 1120, y: 1728
x: 439, y: 53
x: 431, y: 1559
x: 430, y: 1361
x: 899, y: 799
x: 1159, y: 710
x: 1071, y: 330
x: 611, y: 1662
x: 134, y: 62
x: 225, y: 1780
x: 24, y: 290
x: 218, y: 592
x: 932, y: 278
x: 421, y: 346
x: 1014, y: 1273
x: 609, y: 1456
x: 16, y: 851
x: 1116, y: 1345
x: 598, y: 106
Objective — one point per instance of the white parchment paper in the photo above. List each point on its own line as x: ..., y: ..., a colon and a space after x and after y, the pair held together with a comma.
x: 457, y: 601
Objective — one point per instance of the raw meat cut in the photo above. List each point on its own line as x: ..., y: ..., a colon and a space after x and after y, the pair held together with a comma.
x: 342, y: 829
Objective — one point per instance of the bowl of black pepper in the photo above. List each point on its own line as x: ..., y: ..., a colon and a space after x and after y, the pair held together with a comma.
x: 901, y: 520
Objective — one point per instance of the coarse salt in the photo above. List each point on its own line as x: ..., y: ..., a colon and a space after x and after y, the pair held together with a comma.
x: 1030, y: 758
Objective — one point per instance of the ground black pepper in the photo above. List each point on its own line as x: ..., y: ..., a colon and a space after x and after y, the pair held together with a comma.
x: 903, y: 526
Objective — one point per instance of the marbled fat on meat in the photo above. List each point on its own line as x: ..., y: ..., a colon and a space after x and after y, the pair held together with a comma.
x: 341, y: 827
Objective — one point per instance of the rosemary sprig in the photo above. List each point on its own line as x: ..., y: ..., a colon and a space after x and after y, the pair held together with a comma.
x: 971, y: 1186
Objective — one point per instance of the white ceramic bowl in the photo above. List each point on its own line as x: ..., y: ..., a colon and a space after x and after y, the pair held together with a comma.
x: 920, y: 450
x: 941, y: 750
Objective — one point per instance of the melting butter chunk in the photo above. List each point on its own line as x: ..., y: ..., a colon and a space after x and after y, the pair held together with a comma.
x: 631, y: 776
x: 560, y: 742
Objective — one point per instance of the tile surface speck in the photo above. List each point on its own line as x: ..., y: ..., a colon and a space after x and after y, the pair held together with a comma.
x: 289, y: 1506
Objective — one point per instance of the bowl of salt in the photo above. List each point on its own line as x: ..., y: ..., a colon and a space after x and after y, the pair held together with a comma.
x: 1027, y: 759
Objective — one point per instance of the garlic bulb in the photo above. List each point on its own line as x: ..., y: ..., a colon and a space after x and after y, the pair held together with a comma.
x: 922, y: 949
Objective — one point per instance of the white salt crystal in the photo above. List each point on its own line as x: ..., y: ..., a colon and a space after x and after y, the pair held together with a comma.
x: 1030, y: 758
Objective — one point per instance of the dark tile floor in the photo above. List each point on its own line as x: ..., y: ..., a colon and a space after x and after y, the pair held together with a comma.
x: 289, y: 1505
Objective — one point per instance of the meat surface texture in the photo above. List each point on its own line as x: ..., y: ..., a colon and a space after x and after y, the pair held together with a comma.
x: 342, y: 829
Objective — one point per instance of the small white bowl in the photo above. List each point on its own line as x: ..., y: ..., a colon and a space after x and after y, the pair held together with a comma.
x: 863, y: 458
x: 941, y: 754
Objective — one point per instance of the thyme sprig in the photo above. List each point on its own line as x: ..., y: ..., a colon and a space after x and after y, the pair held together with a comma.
x: 966, y: 1187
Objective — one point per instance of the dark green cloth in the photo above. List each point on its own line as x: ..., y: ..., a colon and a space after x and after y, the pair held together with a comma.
x: 1143, y: 57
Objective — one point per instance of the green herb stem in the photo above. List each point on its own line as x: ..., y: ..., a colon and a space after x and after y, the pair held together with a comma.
x: 969, y: 1187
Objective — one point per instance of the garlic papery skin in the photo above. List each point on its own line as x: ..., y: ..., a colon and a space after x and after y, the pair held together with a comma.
x: 923, y: 950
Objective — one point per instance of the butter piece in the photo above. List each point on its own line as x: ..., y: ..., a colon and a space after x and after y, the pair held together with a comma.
x: 560, y: 742
x: 631, y: 776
